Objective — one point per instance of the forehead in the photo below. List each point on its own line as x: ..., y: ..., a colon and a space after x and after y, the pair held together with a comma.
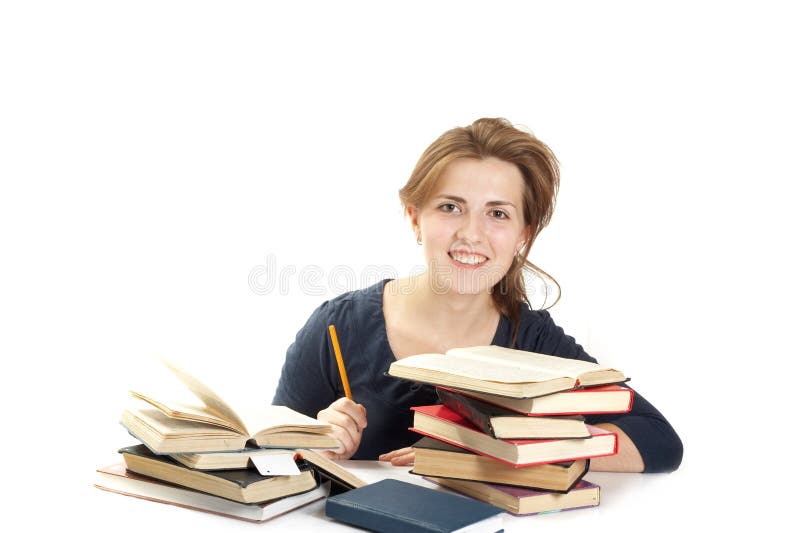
x: 489, y: 179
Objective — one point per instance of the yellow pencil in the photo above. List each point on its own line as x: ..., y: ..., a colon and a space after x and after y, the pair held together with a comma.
x: 339, y: 361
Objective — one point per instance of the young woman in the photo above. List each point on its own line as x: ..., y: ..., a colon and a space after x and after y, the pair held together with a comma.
x: 477, y: 199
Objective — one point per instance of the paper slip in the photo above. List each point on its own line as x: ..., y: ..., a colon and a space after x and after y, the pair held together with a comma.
x: 276, y: 464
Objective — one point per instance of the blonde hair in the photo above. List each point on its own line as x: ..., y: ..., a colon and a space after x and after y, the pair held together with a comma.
x: 496, y: 137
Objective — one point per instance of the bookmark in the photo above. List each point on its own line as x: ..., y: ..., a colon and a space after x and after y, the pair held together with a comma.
x: 276, y: 464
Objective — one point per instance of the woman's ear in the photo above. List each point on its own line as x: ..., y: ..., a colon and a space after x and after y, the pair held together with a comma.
x: 526, y: 234
x: 413, y: 215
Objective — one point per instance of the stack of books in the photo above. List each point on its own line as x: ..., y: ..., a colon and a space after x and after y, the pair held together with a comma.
x: 510, y: 429
x: 252, y: 465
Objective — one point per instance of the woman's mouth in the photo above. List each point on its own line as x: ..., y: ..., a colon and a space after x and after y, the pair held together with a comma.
x: 467, y: 259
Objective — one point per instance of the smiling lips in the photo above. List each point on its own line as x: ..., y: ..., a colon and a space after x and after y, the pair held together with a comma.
x: 469, y: 259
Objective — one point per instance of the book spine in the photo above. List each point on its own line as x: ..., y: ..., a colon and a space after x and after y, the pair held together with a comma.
x: 464, y: 407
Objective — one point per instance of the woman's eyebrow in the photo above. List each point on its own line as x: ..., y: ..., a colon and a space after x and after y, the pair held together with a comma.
x: 497, y: 203
x: 492, y: 203
x: 450, y: 197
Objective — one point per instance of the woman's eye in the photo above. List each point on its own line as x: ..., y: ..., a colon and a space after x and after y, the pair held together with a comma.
x: 449, y: 208
x: 497, y: 213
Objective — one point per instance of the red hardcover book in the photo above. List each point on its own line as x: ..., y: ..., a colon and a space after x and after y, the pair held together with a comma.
x: 441, y: 423
x: 602, y: 399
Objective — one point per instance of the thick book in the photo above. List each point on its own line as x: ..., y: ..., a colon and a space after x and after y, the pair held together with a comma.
x: 226, y: 460
x: 326, y: 468
x: 433, y: 457
x: 244, y: 486
x: 439, y: 422
x: 503, y: 371
x: 116, y: 478
x: 167, y: 425
x: 600, y: 399
x: 521, y: 501
x: 393, y: 506
x: 504, y: 424
x: 330, y: 470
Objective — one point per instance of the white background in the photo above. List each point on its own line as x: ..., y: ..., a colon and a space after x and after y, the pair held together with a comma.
x: 153, y: 154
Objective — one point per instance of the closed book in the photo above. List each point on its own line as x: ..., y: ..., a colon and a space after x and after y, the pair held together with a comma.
x: 325, y: 467
x: 116, y: 478
x: 504, y: 424
x: 442, y: 423
x: 433, y: 457
x: 244, y: 485
x: 601, y: 399
x: 330, y: 470
x: 394, y: 506
x: 226, y: 460
x: 520, y: 501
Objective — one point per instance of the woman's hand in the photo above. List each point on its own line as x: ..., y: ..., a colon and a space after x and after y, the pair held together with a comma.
x: 348, y: 420
x: 401, y: 457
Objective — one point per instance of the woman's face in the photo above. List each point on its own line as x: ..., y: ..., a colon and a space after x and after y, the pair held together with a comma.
x: 472, y: 225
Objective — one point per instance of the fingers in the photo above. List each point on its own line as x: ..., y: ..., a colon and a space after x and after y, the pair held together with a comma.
x: 401, y: 457
x: 354, y: 410
x: 348, y: 419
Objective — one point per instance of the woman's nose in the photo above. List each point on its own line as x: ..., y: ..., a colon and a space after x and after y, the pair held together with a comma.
x: 470, y: 229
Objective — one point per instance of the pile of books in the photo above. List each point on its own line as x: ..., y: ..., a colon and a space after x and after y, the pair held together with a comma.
x: 510, y: 430
x: 249, y: 465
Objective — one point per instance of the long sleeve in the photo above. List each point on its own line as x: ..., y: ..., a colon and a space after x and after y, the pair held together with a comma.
x: 310, y: 378
x: 306, y: 384
x: 658, y: 443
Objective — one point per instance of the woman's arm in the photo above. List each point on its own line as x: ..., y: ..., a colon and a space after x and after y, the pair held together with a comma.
x: 647, y: 442
x: 627, y: 458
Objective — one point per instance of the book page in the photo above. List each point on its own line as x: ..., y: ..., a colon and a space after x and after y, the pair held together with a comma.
x: 476, y: 368
x: 276, y: 417
x: 520, y: 360
x: 184, y: 411
x: 207, y: 396
x: 173, y: 427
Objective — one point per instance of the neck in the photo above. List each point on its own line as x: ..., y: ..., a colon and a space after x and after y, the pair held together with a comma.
x: 449, y: 311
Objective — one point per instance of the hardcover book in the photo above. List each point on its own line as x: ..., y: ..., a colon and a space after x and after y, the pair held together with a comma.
x: 503, y: 371
x: 244, y: 486
x: 600, y: 399
x: 504, y: 424
x: 226, y: 460
x: 521, y: 501
x: 116, y: 478
x: 433, y: 457
x: 327, y: 468
x: 170, y: 426
x: 441, y: 423
x: 394, y: 506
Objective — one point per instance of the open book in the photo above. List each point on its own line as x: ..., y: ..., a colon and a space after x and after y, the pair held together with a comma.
x: 169, y: 426
x: 503, y: 371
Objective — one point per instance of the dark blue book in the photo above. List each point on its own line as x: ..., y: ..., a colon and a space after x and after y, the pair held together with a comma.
x: 394, y: 506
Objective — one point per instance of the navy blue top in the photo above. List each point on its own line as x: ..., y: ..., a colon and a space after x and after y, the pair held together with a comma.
x: 310, y: 378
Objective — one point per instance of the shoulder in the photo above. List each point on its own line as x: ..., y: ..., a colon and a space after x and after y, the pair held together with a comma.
x: 538, y: 332
x: 533, y: 323
x: 352, y: 310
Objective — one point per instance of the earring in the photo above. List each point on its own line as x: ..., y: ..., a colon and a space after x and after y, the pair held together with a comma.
x: 419, y: 240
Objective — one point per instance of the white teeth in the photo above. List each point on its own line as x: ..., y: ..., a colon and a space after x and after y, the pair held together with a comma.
x: 468, y: 259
